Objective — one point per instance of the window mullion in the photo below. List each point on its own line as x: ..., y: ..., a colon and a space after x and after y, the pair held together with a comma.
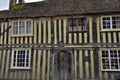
x: 111, y: 22
x: 29, y: 57
x: 25, y: 26
x: 25, y: 57
x: 118, y: 60
x: 16, y: 58
x: 102, y: 23
x: 76, y: 25
x: 18, y: 27
x: 109, y: 59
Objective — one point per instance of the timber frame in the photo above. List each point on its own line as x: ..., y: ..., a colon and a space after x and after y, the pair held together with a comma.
x: 51, y: 36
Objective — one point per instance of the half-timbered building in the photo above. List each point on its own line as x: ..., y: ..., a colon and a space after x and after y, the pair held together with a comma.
x: 60, y: 40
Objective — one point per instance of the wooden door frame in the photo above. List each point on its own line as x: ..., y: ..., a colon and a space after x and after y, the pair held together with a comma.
x: 72, y: 64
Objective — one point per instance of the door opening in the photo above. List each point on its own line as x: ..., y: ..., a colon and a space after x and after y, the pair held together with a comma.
x: 62, y: 66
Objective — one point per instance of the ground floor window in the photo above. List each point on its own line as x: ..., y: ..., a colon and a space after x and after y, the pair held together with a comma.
x: 111, y: 59
x: 20, y: 59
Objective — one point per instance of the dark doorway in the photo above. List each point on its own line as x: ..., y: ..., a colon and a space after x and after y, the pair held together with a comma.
x: 62, y: 66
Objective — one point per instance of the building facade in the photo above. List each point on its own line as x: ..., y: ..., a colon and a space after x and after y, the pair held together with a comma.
x: 60, y: 40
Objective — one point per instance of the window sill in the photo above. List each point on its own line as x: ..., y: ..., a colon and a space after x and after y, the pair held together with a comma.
x: 21, y: 35
x: 109, y: 30
x: 114, y: 70
x: 20, y: 68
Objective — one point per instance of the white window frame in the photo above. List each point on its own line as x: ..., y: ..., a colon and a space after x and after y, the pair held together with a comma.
x: 18, y: 26
x: 109, y: 59
x: 111, y: 24
x: 12, y: 58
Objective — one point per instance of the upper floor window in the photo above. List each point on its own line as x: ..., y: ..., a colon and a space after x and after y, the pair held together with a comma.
x: 23, y: 27
x: 111, y: 22
x: 111, y: 59
x: 77, y: 24
x: 20, y: 59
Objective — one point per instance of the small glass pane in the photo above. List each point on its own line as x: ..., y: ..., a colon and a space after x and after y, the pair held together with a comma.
x: 22, y: 27
x: 28, y: 27
x: 106, y: 22
x: 116, y: 22
x: 15, y: 28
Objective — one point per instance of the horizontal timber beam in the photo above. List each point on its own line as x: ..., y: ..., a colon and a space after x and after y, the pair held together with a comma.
x: 67, y: 45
